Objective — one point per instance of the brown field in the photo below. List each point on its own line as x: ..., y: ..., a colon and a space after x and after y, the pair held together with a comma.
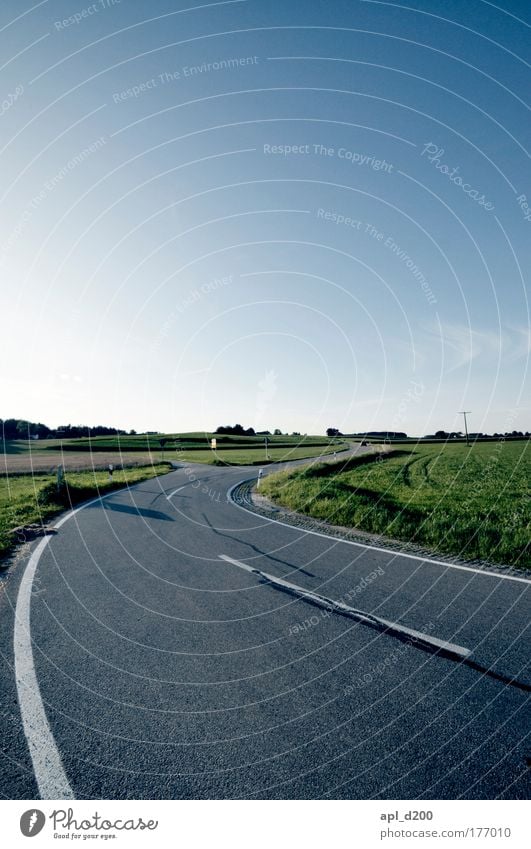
x: 75, y: 461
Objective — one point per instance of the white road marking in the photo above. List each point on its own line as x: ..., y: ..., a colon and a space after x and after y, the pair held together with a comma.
x: 429, y: 560
x: 47, y: 764
x: 352, y: 613
x: 175, y: 491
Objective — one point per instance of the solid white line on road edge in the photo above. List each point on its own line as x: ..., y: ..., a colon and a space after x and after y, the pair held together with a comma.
x: 368, y: 547
x: 47, y: 764
x: 368, y: 618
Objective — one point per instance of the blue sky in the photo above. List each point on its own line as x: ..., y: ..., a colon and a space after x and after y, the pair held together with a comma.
x: 287, y: 214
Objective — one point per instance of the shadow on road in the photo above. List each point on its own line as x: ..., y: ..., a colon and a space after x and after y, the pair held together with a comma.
x: 133, y: 510
x: 255, y: 548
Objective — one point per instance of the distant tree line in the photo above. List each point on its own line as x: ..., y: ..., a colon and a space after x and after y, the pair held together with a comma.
x: 439, y: 434
x: 235, y: 430
x: 442, y: 434
x: 22, y: 429
x: 383, y: 434
x: 239, y: 430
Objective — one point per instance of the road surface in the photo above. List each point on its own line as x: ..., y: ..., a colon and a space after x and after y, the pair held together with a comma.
x: 142, y: 659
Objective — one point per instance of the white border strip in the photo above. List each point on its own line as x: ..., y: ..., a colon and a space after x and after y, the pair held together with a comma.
x: 47, y: 764
x: 487, y: 572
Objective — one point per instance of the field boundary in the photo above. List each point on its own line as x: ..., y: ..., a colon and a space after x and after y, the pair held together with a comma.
x: 42, y: 522
x: 246, y: 498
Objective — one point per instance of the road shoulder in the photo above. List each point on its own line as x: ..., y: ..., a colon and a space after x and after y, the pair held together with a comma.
x: 245, y: 495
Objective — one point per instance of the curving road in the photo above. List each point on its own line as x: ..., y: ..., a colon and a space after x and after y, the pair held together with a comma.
x: 145, y: 660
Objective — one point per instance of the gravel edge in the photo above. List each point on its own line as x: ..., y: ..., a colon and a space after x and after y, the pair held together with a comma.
x: 245, y: 495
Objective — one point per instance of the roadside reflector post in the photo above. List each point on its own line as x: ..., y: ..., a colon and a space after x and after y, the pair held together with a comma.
x: 260, y: 473
x: 111, y: 470
x: 60, y: 477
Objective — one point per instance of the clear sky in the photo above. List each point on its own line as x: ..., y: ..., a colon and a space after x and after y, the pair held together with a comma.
x: 287, y: 214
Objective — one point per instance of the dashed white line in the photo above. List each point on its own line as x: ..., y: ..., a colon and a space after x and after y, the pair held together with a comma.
x: 393, y: 628
x: 175, y: 491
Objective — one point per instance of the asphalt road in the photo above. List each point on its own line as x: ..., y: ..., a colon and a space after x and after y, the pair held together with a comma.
x: 154, y: 668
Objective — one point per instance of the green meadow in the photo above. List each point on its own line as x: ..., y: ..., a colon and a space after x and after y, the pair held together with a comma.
x: 152, y: 442
x: 28, y: 492
x: 473, y: 502
x: 252, y: 456
x: 33, y: 499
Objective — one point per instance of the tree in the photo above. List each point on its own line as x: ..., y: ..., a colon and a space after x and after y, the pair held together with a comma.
x: 333, y: 431
x: 235, y: 430
x: 277, y: 432
x: 41, y: 430
x: 23, y: 429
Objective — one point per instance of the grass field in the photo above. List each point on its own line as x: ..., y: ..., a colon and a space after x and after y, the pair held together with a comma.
x: 28, y: 492
x: 148, y: 443
x: 255, y: 456
x: 78, y: 454
x: 28, y: 499
x: 473, y: 502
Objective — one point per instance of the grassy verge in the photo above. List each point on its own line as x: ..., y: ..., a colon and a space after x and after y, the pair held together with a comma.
x: 32, y: 499
x: 473, y: 502
x: 255, y: 456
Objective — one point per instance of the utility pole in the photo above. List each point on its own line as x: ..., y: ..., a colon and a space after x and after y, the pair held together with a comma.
x: 266, y: 451
x: 465, y: 413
